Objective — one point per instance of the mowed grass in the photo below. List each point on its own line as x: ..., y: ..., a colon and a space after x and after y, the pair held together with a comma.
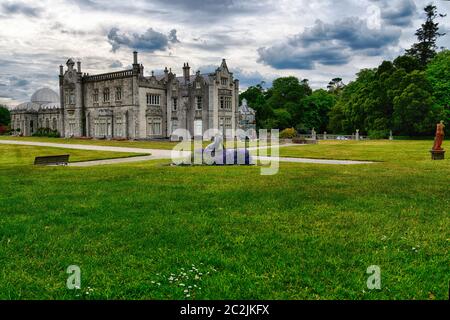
x: 163, y: 144
x: 309, y: 232
x: 375, y: 150
x: 151, y: 144
x: 15, y: 155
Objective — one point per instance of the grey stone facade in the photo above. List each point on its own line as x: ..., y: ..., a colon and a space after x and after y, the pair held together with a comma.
x: 129, y: 105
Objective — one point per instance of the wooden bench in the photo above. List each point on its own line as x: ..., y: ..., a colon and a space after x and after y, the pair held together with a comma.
x: 61, y: 160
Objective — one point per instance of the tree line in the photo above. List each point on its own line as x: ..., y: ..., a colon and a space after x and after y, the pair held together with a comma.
x: 408, y: 95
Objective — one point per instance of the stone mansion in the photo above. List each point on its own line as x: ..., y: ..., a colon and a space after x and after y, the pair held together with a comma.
x: 128, y: 105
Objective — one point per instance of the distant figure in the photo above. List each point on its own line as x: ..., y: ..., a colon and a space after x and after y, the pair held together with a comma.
x: 439, y: 136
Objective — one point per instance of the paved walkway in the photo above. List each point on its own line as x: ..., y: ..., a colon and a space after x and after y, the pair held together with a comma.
x: 160, y: 154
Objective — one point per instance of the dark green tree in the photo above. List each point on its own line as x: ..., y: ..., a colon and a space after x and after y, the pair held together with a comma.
x: 407, y: 63
x: 414, y: 109
x: 5, y: 116
x: 438, y: 74
x: 425, y: 49
x: 316, y: 108
x: 287, y: 93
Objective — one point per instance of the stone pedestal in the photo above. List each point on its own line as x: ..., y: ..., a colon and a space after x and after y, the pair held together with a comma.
x: 437, y: 154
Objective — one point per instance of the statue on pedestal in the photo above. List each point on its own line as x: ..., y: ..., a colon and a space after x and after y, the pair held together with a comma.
x: 437, y: 153
x: 439, y: 136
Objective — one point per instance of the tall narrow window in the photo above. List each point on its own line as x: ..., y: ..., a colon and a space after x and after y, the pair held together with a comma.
x: 95, y: 95
x: 224, y: 81
x: 72, y: 97
x: 174, y: 104
x: 222, y: 102
x: 199, y: 102
x: 154, y: 126
x: 228, y: 102
x: 227, y: 123
x: 118, y: 93
x: 106, y: 95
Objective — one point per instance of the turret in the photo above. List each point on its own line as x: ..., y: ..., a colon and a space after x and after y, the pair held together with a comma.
x: 166, y: 74
x: 70, y: 64
x: 186, y: 70
x: 136, y: 66
x: 135, y: 57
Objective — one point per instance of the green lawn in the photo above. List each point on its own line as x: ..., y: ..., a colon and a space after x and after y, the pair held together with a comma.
x: 15, y: 155
x: 167, y: 145
x: 309, y: 232
x: 154, y: 144
x: 376, y: 150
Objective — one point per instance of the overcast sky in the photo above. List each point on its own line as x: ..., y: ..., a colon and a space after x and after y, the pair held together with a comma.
x: 261, y: 39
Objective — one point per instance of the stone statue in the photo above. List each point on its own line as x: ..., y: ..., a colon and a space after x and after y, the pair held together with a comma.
x: 216, y: 154
x: 439, y: 137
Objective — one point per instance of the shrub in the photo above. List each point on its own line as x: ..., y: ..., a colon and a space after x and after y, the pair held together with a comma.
x: 299, y: 140
x: 4, y: 129
x: 378, y: 134
x: 46, y: 132
x: 288, y: 133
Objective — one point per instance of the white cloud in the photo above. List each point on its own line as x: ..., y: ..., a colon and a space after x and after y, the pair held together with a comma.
x: 35, y: 38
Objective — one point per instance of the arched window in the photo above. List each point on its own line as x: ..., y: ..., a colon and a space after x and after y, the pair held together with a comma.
x: 54, y: 125
x: 47, y: 123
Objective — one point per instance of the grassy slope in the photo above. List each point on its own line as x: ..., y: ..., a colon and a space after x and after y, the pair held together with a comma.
x: 308, y: 232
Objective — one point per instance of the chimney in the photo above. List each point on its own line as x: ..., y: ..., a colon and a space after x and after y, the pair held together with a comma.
x: 142, y: 69
x: 135, y: 57
x: 186, y: 70
x: 61, y: 70
x: 79, y: 66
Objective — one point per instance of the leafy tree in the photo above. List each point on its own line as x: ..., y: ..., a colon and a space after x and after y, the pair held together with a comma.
x: 354, y: 104
x: 407, y: 63
x: 438, y: 74
x: 413, y: 108
x: 281, y: 119
x: 335, y: 85
x: 5, y: 116
x: 287, y: 93
x: 427, y: 35
x: 316, y: 108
